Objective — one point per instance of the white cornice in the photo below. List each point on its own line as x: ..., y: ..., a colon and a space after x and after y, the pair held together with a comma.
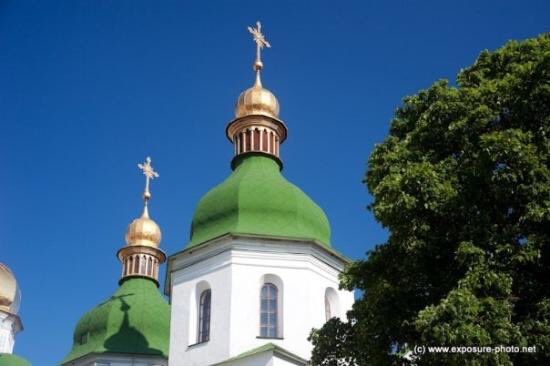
x: 253, y: 251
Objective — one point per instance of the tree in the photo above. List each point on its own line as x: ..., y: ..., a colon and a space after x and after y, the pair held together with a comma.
x: 462, y: 183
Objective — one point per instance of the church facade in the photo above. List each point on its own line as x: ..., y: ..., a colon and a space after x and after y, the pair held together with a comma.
x: 257, y: 275
x: 259, y: 271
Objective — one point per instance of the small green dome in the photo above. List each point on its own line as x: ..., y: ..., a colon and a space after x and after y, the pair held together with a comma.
x: 7, y: 359
x: 135, y: 320
x: 257, y: 199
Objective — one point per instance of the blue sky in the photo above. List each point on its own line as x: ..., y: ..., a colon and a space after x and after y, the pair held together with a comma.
x: 89, y: 88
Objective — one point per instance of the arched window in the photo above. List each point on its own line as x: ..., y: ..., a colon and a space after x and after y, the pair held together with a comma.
x: 332, y: 304
x: 204, y: 316
x: 328, y: 313
x: 269, y: 310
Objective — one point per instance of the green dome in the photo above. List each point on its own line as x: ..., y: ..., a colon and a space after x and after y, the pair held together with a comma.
x: 7, y: 359
x: 257, y: 199
x: 135, y: 320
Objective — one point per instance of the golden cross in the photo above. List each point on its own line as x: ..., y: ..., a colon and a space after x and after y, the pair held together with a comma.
x: 261, y: 42
x: 149, y: 174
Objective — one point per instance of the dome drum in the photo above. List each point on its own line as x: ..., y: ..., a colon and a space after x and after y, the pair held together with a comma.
x: 141, y: 261
x: 257, y: 133
x: 257, y: 139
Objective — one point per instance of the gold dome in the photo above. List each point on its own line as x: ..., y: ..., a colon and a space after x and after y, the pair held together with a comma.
x: 257, y: 100
x: 9, y: 292
x: 143, y: 231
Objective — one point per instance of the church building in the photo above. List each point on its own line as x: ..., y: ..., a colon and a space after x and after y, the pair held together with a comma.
x: 257, y: 274
x: 259, y: 271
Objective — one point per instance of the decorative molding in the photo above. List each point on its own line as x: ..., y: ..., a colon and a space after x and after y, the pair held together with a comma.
x: 243, y: 250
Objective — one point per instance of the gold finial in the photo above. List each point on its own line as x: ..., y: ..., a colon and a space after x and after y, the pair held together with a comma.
x: 149, y: 174
x: 261, y: 42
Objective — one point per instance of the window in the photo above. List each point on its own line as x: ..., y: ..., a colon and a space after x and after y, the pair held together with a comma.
x: 268, y: 311
x: 204, y: 316
x: 332, y: 304
x: 328, y: 313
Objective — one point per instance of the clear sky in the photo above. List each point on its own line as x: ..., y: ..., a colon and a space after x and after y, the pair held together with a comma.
x: 89, y: 88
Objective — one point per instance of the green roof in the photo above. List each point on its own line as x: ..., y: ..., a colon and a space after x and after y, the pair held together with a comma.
x: 135, y: 320
x: 7, y: 359
x: 257, y: 199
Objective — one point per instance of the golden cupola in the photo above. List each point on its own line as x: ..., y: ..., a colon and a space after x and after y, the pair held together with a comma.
x: 143, y: 231
x: 257, y: 100
x: 257, y: 127
x: 9, y: 291
x: 141, y: 257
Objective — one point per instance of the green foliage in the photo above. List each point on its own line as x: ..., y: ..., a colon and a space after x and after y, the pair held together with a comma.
x: 462, y: 183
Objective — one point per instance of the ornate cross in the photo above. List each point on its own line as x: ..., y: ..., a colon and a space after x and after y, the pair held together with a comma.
x: 261, y: 42
x: 149, y: 174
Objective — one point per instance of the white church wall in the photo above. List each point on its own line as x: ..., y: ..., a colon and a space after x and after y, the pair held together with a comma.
x: 235, y: 269
x: 184, y: 349
x: 305, y: 279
